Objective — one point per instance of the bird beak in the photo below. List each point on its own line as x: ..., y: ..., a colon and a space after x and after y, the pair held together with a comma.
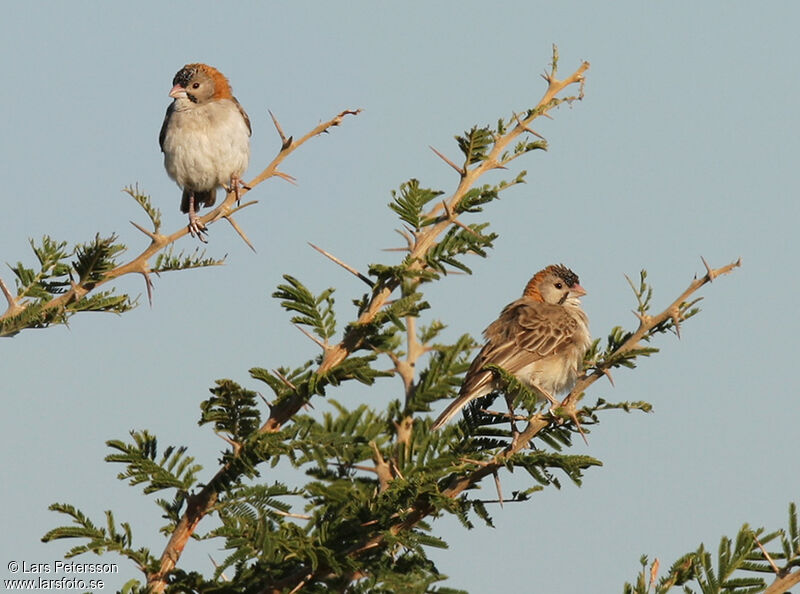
x: 178, y: 92
x: 577, y: 291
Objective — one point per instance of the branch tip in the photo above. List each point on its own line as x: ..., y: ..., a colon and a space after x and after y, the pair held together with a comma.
x: 285, y: 176
x: 710, y: 273
x: 149, y: 284
x: 284, y: 379
x: 285, y: 143
x: 498, y: 486
x: 347, y: 267
x: 238, y: 229
x: 321, y: 344
x: 460, y: 170
x: 525, y: 128
x: 234, y: 444
x: 607, y: 373
x: 574, y: 418
x: 676, y: 320
x: 767, y: 556
x: 150, y: 234
x: 7, y: 294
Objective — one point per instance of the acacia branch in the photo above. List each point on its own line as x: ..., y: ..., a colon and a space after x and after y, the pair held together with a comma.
x: 140, y: 264
x: 646, y: 325
x: 540, y: 421
x: 201, y: 503
x: 419, y: 244
x: 783, y: 583
x: 13, y: 307
x: 536, y: 423
x: 422, y: 242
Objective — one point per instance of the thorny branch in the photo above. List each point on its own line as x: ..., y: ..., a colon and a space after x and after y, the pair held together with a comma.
x: 422, y: 241
x: 646, y: 324
x: 140, y: 264
x: 198, y: 504
x: 537, y: 423
x: 419, y: 243
x: 783, y: 583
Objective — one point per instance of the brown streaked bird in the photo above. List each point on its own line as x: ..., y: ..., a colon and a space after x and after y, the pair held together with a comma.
x: 541, y: 338
x: 205, y: 139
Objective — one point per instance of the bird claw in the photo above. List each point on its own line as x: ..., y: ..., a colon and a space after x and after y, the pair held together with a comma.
x: 554, y: 403
x: 197, y: 228
x: 236, y: 183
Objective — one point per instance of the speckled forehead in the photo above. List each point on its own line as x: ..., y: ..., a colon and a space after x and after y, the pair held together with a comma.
x: 566, y: 275
x: 183, y: 76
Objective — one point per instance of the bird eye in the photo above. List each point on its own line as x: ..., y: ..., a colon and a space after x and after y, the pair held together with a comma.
x: 196, y: 85
x: 559, y: 285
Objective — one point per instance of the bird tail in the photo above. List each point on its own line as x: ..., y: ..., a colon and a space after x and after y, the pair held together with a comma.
x: 452, y: 410
x: 200, y: 199
x: 475, y: 385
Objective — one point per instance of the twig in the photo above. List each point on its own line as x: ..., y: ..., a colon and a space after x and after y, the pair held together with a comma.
x: 291, y: 515
x: 216, y: 566
x: 302, y: 583
x: 284, y: 379
x: 527, y: 129
x: 238, y: 229
x: 139, y: 264
x: 781, y: 585
x: 235, y: 445
x: 767, y: 556
x: 13, y: 307
x: 538, y: 422
x: 285, y: 176
x: 290, y: 145
x: 424, y: 241
x: 347, y: 267
x: 653, y: 572
x: 284, y: 141
x: 203, y: 502
x: 448, y: 161
x: 148, y: 283
x: 150, y: 234
x: 499, y: 487
x: 321, y: 344
x: 647, y: 323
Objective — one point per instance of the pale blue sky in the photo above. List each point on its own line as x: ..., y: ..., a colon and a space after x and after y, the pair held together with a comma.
x: 686, y: 145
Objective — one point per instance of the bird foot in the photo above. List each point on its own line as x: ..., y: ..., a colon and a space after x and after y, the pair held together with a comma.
x: 197, y: 228
x: 236, y: 183
x: 554, y: 403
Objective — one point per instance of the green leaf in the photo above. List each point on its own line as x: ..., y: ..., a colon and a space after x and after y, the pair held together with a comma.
x: 99, y: 540
x: 315, y: 312
x: 143, y: 200
x: 409, y: 201
x: 95, y: 259
x: 232, y: 410
x: 173, y: 470
x: 168, y: 261
x: 475, y: 144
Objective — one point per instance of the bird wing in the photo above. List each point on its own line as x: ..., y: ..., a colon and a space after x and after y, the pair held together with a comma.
x: 541, y: 329
x: 244, y: 115
x: 524, y: 333
x: 163, y: 132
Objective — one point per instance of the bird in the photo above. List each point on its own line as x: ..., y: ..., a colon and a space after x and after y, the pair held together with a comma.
x: 540, y: 338
x: 205, y: 139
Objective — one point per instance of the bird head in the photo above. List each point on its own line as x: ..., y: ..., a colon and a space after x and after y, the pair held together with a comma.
x: 200, y: 83
x: 556, y: 285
